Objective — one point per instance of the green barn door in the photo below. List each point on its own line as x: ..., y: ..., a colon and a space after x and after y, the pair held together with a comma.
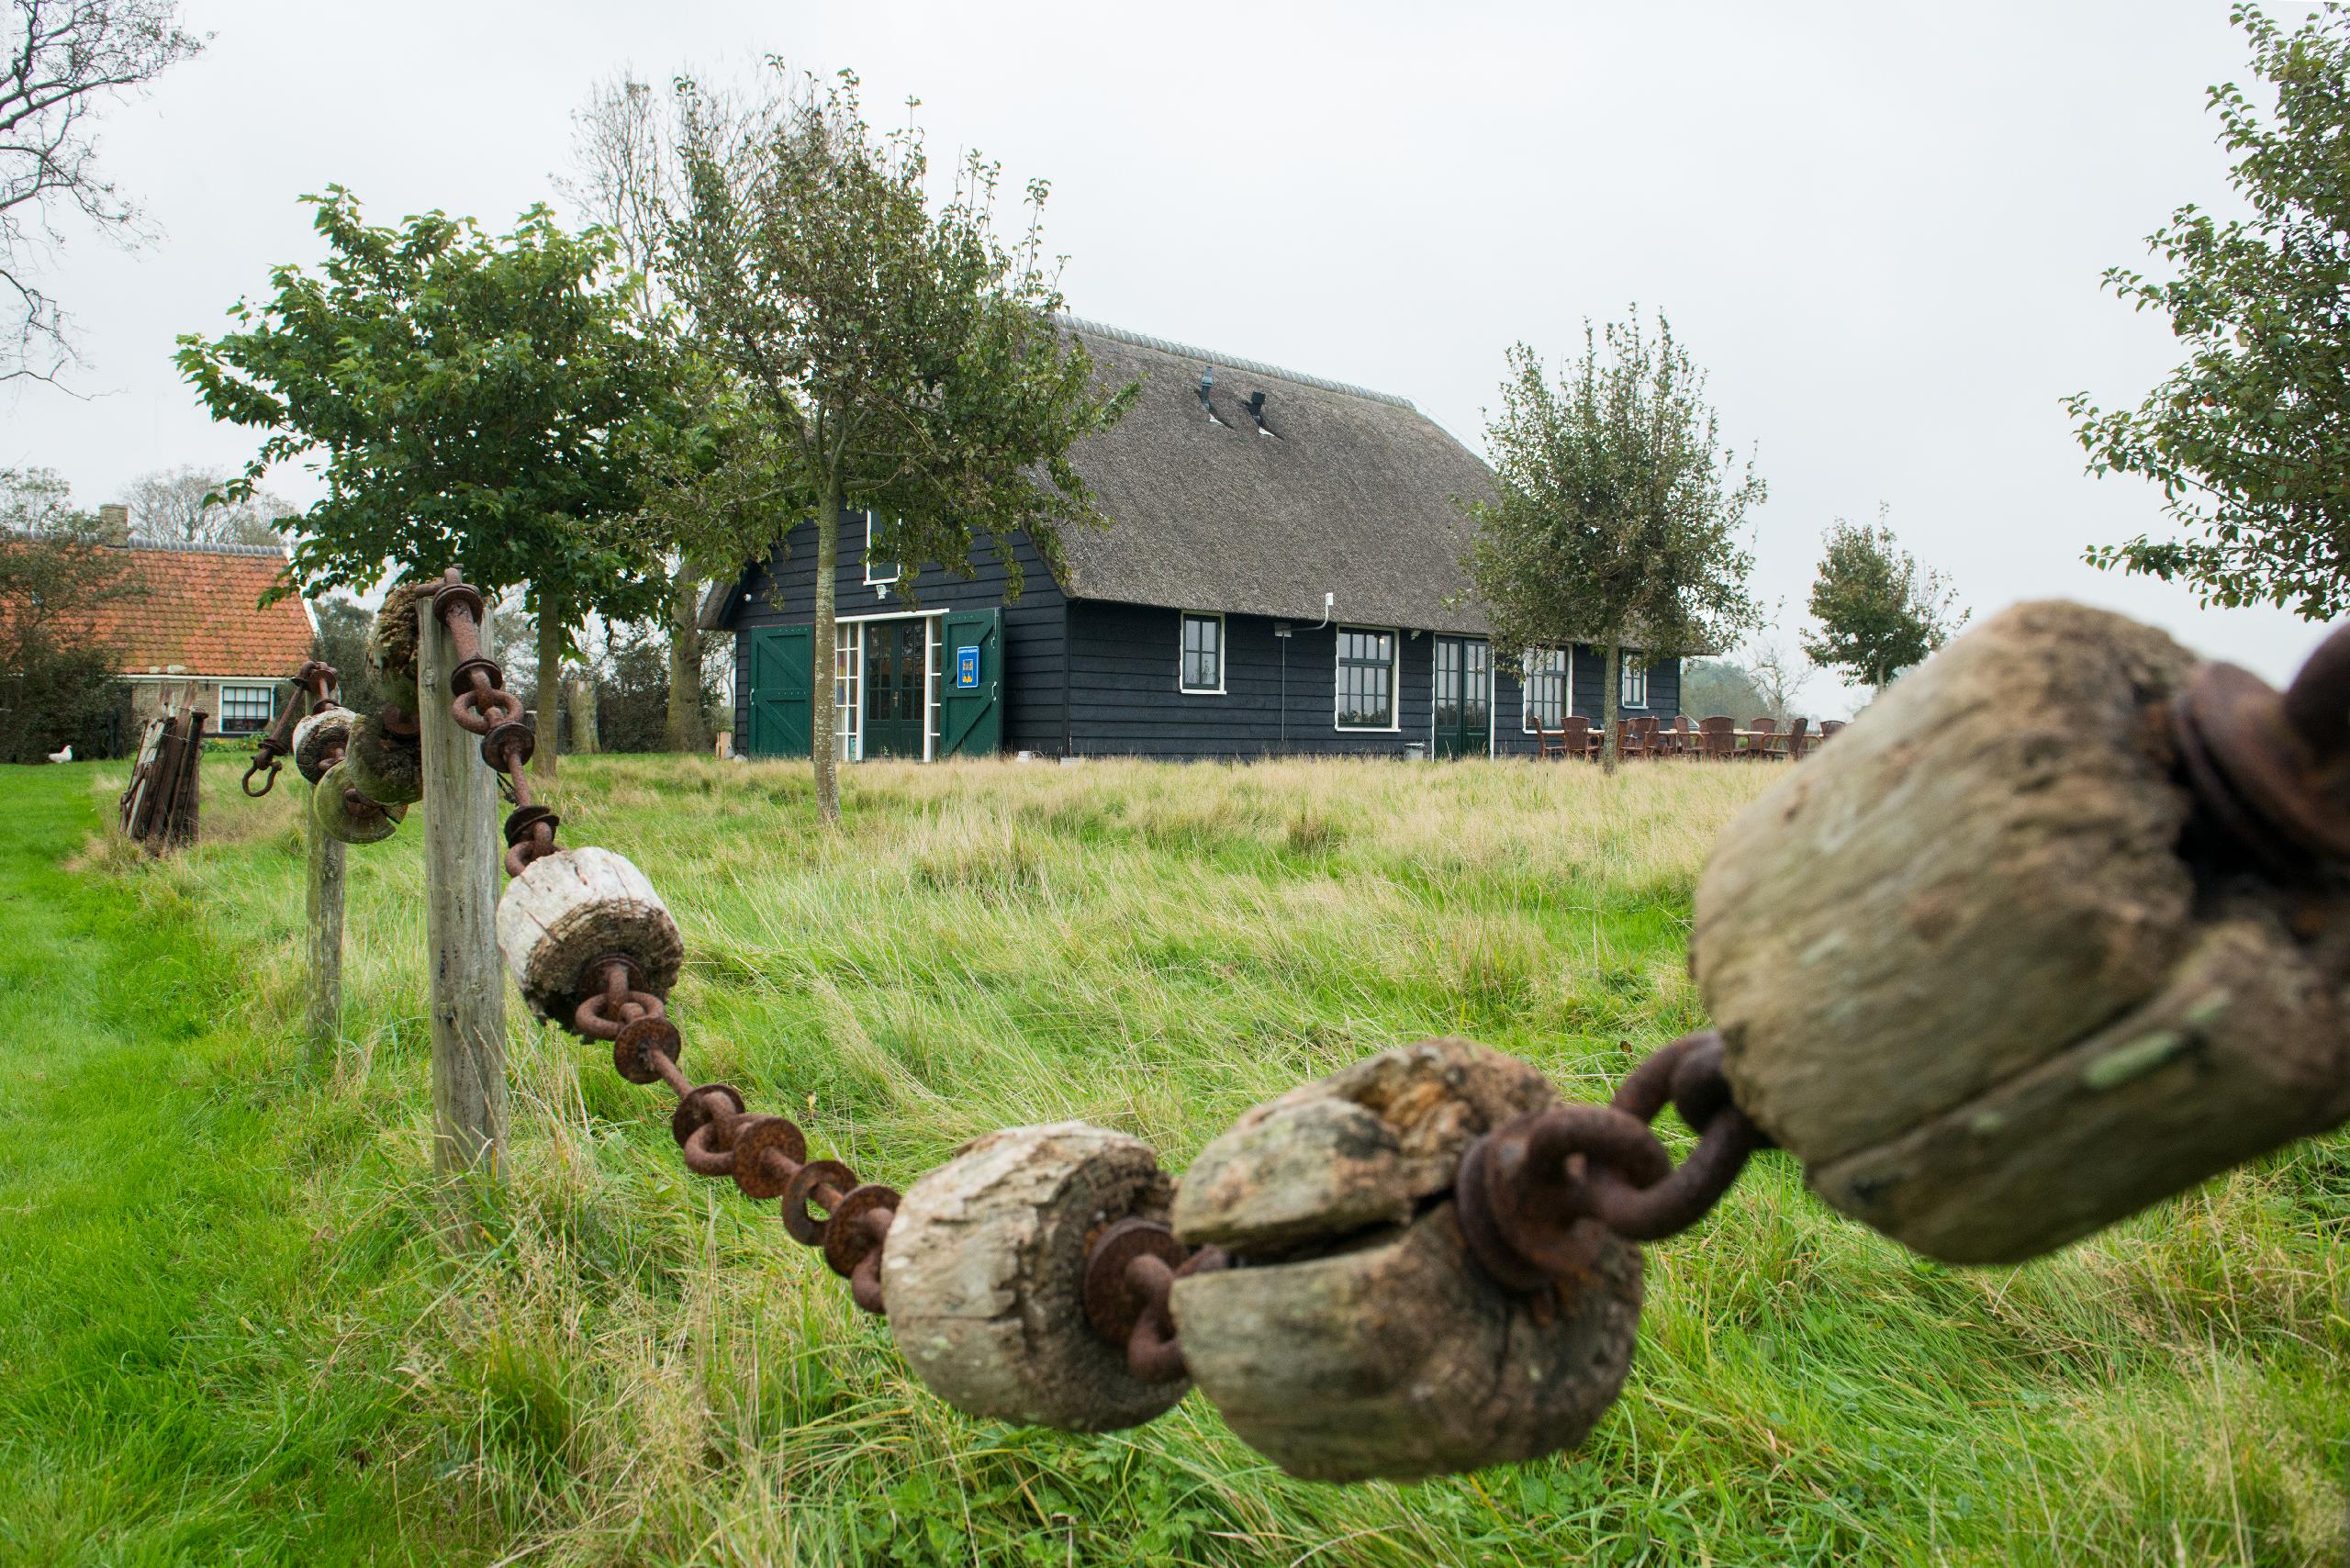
x: 779, y: 689
x: 971, y: 690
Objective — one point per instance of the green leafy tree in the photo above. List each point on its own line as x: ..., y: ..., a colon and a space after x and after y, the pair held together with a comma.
x: 480, y: 403
x: 2250, y: 438
x: 880, y: 354
x: 341, y: 641
x: 1878, y: 610
x: 1618, y: 511
x: 58, y: 669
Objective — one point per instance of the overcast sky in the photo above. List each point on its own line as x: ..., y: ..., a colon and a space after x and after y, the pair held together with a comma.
x: 1880, y: 227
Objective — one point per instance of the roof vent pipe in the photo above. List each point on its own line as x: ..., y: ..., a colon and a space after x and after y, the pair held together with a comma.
x: 1257, y: 412
x: 1207, y: 385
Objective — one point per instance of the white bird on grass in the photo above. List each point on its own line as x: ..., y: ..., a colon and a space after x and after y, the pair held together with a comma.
x: 65, y: 756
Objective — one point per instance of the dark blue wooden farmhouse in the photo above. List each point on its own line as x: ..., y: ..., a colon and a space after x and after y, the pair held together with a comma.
x: 1280, y: 578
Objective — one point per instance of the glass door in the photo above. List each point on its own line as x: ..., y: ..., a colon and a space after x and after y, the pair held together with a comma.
x: 897, y: 687
x: 1462, y: 711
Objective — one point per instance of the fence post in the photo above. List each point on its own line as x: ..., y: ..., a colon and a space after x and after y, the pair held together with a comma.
x: 461, y: 864
x: 324, y: 906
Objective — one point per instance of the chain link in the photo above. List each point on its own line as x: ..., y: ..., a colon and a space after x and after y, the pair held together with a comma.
x: 1539, y: 1193
x: 482, y: 706
x: 765, y: 1157
x: 319, y: 681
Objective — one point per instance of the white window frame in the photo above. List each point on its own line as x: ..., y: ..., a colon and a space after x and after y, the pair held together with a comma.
x: 848, y: 716
x: 1395, y: 636
x: 1566, y: 657
x: 1633, y: 682
x: 269, y: 698
x: 934, y: 641
x: 870, y: 580
x: 1182, y: 625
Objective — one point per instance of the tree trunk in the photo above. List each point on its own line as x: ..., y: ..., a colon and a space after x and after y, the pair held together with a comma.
x: 550, y: 692
x: 1611, y: 696
x: 686, y: 731
x: 581, y: 695
x: 823, y: 696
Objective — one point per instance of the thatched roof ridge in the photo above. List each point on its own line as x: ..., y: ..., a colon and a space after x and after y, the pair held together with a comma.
x: 1352, y: 494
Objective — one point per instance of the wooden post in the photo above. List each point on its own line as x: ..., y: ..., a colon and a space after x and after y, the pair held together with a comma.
x: 324, y: 906
x: 461, y: 867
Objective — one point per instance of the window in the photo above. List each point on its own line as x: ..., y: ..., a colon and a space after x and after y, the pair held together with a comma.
x: 881, y: 568
x: 1547, y: 679
x: 848, y: 673
x: 1634, y: 692
x: 246, y: 710
x: 1203, y: 662
x: 1365, y: 679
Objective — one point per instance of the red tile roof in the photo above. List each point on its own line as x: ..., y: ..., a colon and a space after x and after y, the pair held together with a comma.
x: 198, y: 612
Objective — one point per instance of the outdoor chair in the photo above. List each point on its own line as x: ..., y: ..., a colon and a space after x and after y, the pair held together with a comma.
x: 1682, y: 741
x: 1765, y: 736
x: 1828, y: 728
x: 1630, y: 742
x: 1650, y: 731
x: 1572, y: 738
x: 1718, y: 738
x: 1797, y: 738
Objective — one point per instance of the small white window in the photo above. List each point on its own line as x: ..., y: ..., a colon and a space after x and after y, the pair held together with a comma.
x: 1635, y: 690
x: 247, y: 710
x: 1202, y: 667
x: 1366, y: 678
x: 1546, y: 687
x: 880, y: 562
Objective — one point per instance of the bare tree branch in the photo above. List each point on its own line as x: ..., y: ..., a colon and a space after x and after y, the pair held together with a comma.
x: 64, y: 59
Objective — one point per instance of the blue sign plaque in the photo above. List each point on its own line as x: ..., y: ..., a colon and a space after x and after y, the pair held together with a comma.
x: 967, y: 669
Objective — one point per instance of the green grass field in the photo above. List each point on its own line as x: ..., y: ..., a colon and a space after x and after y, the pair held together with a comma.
x: 238, y: 1329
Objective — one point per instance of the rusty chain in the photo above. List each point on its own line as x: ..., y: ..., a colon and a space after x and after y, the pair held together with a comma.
x: 318, y: 682
x: 1535, y: 1192
x: 1538, y: 1196
x: 1131, y: 1267
x: 482, y: 706
x: 321, y: 683
x: 767, y: 1157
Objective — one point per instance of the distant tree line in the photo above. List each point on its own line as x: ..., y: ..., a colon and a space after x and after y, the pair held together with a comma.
x: 57, y: 670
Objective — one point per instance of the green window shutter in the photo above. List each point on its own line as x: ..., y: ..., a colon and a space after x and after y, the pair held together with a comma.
x: 780, y: 686
x: 971, y: 690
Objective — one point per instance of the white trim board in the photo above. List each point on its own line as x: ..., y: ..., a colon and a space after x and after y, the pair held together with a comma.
x: 1222, y: 651
x: 1395, y: 679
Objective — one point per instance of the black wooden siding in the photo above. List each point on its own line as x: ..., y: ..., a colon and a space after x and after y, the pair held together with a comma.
x: 1034, y: 717
x: 1123, y: 695
x: 1123, y: 700
x: 1116, y: 664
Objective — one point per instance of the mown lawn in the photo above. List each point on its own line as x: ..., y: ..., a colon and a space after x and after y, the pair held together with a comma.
x: 238, y: 1329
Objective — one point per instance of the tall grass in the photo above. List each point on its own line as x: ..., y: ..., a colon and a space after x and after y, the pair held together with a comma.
x: 629, y: 1365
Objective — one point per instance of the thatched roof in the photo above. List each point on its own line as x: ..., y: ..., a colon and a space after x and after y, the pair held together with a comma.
x: 1352, y: 494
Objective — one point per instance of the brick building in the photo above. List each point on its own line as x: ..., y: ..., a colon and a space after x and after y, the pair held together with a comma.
x: 195, y: 632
